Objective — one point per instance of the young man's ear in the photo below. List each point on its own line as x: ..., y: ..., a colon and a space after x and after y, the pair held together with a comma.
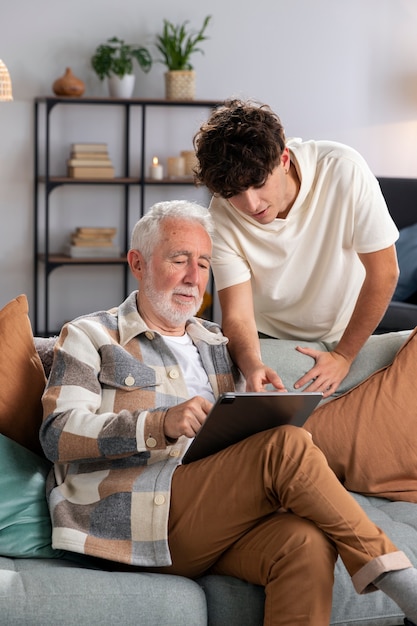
x: 286, y: 160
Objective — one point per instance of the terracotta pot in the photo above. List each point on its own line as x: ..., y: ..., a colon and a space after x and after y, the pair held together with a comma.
x: 68, y: 85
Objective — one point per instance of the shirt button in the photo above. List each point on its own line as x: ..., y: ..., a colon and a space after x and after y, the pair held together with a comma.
x: 159, y: 499
x: 129, y: 381
x: 151, y: 442
x: 149, y: 335
x: 174, y: 453
x: 173, y: 374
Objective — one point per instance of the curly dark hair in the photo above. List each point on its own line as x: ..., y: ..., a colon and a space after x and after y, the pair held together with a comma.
x: 238, y: 147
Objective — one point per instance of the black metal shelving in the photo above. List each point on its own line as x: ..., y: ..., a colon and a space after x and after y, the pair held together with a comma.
x: 46, y: 261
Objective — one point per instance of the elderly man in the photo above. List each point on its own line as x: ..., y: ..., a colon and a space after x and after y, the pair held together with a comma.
x: 128, y: 390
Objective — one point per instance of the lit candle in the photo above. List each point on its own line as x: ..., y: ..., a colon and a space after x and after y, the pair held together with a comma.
x: 156, y: 171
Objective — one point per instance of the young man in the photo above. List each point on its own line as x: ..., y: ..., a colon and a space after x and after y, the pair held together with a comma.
x: 128, y: 390
x: 304, y: 246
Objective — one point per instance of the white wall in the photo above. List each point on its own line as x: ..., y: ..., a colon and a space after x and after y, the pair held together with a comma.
x: 336, y: 69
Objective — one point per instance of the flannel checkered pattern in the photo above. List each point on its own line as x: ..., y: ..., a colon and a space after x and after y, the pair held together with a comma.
x: 111, y: 383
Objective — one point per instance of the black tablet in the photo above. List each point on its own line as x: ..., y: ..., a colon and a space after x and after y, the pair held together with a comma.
x: 235, y: 416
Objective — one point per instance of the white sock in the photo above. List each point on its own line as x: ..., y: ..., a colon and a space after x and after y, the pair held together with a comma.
x: 401, y: 586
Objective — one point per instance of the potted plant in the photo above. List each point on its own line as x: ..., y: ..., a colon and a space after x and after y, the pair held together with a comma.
x: 177, y: 44
x: 114, y: 60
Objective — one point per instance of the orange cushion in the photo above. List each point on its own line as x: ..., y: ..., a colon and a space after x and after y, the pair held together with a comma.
x: 22, y: 378
x: 369, y: 434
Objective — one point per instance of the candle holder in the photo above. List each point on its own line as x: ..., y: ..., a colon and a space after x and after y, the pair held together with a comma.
x: 190, y: 162
x: 176, y: 167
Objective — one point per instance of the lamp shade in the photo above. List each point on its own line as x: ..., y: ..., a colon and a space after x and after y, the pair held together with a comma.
x: 5, y: 83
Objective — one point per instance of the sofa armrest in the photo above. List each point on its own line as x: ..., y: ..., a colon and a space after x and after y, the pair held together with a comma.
x: 398, y: 316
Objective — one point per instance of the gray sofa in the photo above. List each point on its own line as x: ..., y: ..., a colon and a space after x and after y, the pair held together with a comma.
x: 401, y: 197
x: 73, y: 591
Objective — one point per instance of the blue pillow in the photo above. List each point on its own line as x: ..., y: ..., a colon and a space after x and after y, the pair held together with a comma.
x: 25, y: 525
x: 406, y: 247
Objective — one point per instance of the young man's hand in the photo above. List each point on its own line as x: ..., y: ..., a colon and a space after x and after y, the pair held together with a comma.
x: 326, y: 375
x: 261, y: 376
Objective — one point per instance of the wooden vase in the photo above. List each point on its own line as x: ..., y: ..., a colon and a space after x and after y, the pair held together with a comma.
x: 68, y: 85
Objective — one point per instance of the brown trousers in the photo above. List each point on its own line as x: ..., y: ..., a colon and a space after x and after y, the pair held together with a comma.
x: 269, y: 510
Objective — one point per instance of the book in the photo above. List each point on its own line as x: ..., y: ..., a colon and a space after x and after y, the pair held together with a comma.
x: 91, y: 172
x: 89, y: 163
x: 76, y: 241
x: 91, y: 236
x: 94, y: 231
x: 89, y: 147
x: 93, y: 251
x: 101, y: 156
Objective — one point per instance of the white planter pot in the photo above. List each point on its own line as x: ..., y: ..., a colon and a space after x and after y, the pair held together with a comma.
x: 121, y: 87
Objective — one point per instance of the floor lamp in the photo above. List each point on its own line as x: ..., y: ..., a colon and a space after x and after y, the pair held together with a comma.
x: 5, y: 83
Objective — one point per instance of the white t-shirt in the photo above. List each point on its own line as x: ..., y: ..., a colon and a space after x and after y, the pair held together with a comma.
x: 305, y: 272
x: 189, y: 360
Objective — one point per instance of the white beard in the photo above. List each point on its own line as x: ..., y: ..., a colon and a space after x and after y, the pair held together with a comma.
x: 175, y: 313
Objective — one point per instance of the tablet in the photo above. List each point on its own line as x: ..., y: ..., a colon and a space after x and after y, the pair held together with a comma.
x: 235, y: 416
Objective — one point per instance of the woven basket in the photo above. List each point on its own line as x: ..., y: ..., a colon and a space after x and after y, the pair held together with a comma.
x: 180, y: 85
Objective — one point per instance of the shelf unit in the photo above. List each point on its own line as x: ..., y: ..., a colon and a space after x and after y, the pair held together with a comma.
x: 45, y: 260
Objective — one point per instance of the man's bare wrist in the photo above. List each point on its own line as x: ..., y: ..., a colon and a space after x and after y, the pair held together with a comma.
x: 343, y: 355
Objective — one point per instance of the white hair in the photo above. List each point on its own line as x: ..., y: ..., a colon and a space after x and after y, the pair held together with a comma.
x: 146, y: 231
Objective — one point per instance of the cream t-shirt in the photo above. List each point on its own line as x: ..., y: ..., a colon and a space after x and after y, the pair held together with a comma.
x: 305, y: 272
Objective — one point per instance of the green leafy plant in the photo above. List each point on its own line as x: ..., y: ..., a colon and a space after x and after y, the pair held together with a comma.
x: 177, y: 44
x: 116, y: 57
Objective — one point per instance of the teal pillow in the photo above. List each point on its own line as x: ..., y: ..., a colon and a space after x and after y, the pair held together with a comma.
x: 25, y: 525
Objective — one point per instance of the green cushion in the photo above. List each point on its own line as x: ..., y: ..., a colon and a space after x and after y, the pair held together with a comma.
x: 25, y: 526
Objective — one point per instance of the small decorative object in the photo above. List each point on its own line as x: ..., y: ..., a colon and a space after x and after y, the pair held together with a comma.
x: 177, y: 46
x: 190, y: 161
x: 115, y: 58
x: 68, y: 85
x: 176, y: 167
x: 5, y: 83
x: 156, y: 170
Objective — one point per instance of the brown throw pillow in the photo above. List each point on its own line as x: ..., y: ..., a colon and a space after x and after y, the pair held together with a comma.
x: 22, y: 378
x: 369, y: 434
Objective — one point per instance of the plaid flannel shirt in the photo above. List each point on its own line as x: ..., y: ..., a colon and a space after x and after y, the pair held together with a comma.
x: 111, y: 383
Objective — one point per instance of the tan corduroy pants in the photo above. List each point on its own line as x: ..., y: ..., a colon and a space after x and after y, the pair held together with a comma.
x: 227, y: 517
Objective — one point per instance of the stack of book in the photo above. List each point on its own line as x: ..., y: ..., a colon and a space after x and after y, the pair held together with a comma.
x: 90, y: 160
x: 93, y: 242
